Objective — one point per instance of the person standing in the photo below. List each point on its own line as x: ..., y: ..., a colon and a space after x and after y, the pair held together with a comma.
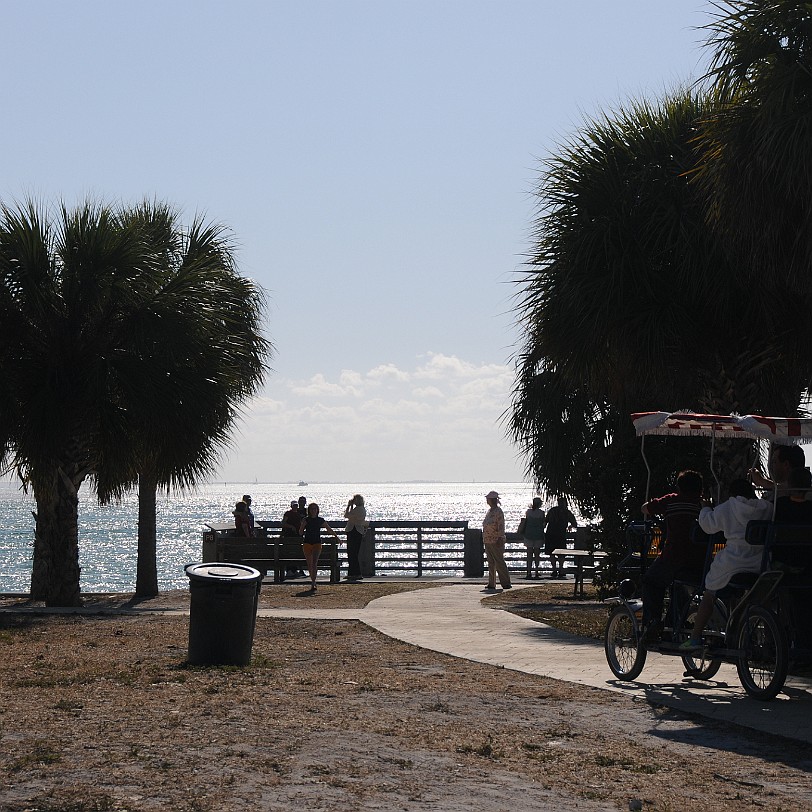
x: 302, y: 515
x: 559, y: 520
x: 356, y: 516
x: 250, y: 513
x: 292, y: 523
x: 493, y: 536
x: 533, y: 531
x: 311, y: 546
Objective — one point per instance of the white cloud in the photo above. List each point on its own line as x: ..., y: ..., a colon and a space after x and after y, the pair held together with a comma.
x: 427, y: 392
x: 318, y: 386
x: 380, y: 426
x: 349, y: 378
x: 387, y: 372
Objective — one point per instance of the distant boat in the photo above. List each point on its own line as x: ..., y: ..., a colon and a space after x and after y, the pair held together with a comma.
x: 302, y: 484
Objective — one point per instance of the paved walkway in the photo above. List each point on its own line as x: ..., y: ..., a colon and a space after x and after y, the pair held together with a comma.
x: 452, y: 620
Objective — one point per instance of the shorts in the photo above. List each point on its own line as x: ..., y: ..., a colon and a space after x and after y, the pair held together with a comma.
x: 307, y: 549
x: 724, y: 567
x: 534, y: 544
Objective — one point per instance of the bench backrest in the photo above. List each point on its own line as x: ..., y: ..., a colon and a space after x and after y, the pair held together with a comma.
x: 782, y: 542
x: 234, y: 549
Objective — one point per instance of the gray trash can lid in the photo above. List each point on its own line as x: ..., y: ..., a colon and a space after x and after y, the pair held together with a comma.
x: 222, y: 571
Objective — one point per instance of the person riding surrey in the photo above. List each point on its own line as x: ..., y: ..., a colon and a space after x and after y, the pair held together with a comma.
x: 677, y: 553
x: 242, y: 524
x: 783, y: 460
x: 730, y: 518
x: 559, y: 520
x: 356, y: 516
x: 795, y: 508
x: 494, y: 538
x: 311, y: 546
x: 533, y: 531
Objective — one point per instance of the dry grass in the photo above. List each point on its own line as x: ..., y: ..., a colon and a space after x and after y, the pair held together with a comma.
x: 553, y: 603
x: 101, y: 714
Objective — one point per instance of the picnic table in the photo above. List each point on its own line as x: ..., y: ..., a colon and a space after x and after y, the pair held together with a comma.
x: 581, y: 559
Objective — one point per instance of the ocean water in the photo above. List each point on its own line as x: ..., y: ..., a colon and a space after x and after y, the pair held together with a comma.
x: 108, y: 535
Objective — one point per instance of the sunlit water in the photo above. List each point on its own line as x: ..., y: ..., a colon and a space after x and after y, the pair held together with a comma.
x: 108, y: 535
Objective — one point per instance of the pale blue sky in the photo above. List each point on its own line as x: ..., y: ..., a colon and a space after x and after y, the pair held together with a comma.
x: 375, y: 162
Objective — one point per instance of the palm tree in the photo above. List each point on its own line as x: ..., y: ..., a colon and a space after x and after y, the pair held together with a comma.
x: 210, y: 357
x: 757, y: 166
x: 630, y: 303
x: 100, y: 361
x: 66, y: 289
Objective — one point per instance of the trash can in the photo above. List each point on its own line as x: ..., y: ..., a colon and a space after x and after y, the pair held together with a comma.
x: 222, y: 613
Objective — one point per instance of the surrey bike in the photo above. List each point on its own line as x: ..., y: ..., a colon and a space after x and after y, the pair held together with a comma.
x: 758, y: 623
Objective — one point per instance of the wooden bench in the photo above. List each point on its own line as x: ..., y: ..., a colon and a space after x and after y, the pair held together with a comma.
x: 276, y: 555
x: 581, y: 559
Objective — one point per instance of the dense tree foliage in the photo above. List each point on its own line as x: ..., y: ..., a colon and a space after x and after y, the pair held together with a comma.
x: 113, y: 329
x: 670, y: 267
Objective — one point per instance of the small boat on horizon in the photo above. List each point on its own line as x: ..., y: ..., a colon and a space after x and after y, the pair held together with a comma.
x: 302, y: 484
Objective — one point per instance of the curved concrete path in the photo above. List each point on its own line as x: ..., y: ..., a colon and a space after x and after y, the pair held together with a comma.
x: 452, y: 620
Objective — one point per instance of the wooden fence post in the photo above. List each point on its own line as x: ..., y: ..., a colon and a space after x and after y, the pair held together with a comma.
x: 366, y: 555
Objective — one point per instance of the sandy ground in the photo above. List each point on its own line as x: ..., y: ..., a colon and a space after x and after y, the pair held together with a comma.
x: 102, y: 713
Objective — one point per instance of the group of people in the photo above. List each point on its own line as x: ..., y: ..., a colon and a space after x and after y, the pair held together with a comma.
x: 303, y: 520
x: 540, y: 530
x: 681, y: 510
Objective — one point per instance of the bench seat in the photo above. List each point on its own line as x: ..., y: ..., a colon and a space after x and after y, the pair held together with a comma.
x: 275, y: 555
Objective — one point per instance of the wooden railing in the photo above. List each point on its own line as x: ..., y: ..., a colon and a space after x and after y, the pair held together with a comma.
x: 409, y: 548
x: 414, y: 547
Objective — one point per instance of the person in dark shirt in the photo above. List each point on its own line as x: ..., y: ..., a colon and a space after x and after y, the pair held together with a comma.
x: 795, y: 508
x: 680, y: 511
x: 559, y: 520
x: 242, y: 523
x: 311, y: 545
x: 292, y: 521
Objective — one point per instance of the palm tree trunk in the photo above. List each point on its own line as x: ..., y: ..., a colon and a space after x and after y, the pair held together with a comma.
x: 39, y: 572
x: 146, y: 582
x: 57, y: 542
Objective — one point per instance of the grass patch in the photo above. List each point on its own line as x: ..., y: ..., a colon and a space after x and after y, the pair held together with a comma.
x: 40, y: 754
x: 485, y: 750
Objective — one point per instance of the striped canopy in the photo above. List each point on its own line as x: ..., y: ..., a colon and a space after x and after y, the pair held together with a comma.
x: 786, y: 430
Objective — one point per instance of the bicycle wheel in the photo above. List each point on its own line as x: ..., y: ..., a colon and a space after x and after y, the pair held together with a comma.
x: 701, y: 664
x: 621, y: 642
x: 764, y: 658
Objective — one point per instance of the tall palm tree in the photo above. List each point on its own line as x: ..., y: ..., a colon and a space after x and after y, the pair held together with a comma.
x: 630, y: 303
x: 100, y: 361
x: 67, y: 289
x: 211, y: 360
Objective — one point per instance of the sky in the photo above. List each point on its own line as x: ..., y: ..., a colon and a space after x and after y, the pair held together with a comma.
x: 375, y: 162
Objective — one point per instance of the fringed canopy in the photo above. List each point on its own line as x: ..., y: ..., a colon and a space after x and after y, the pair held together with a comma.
x: 786, y: 430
